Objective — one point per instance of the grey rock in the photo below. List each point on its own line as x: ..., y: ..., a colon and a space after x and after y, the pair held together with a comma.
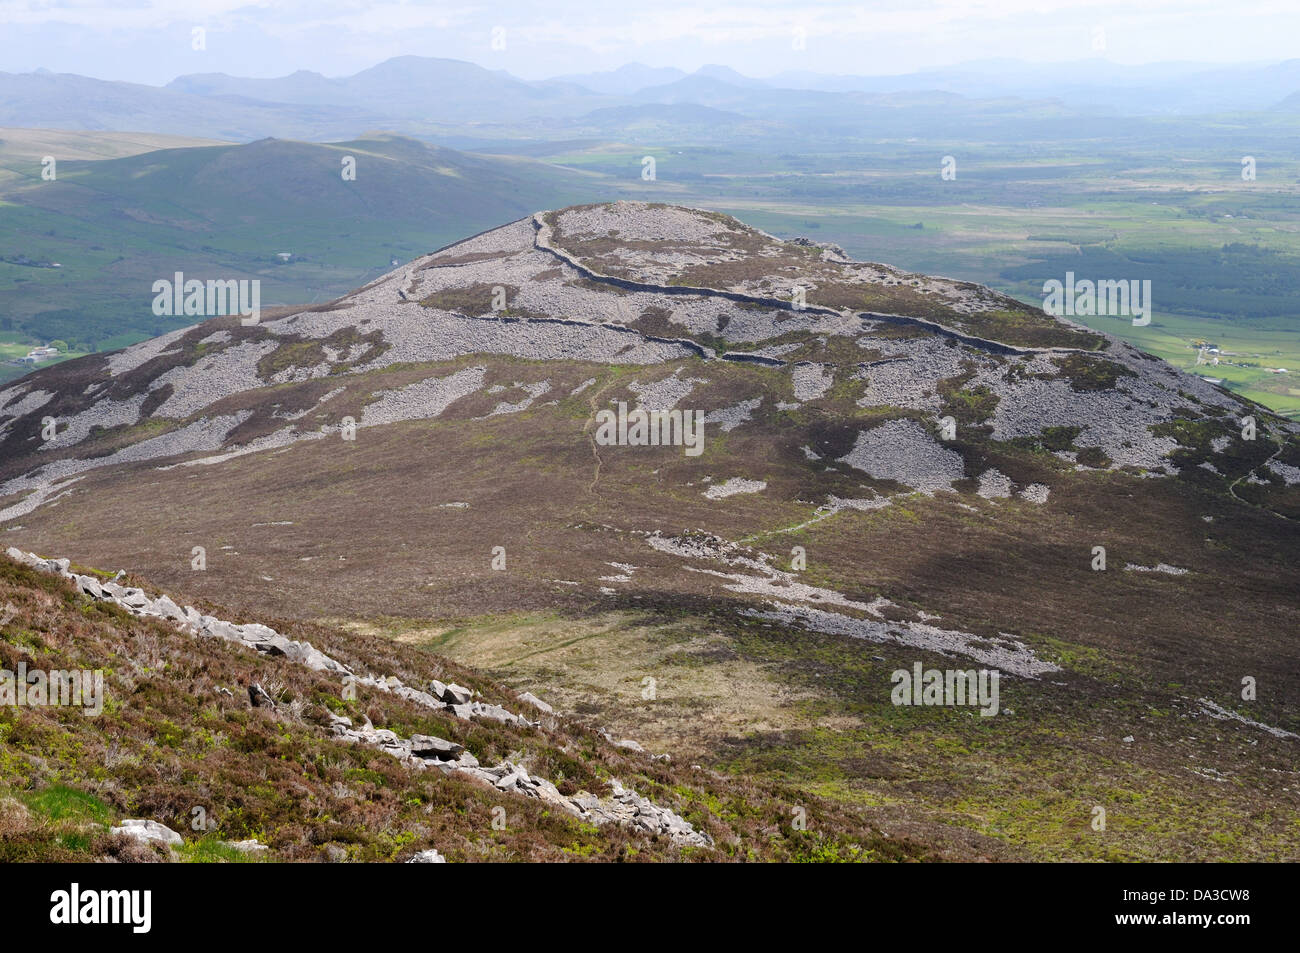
x: 454, y: 694
x: 90, y: 586
x: 429, y: 856
x: 427, y: 746
x: 147, y: 831
x: 254, y: 632
x: 168, y: 609
x: 536, y: 702
x: 495, y: 713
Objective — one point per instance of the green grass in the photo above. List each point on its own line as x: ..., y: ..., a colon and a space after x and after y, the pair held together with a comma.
x: 61, y: 803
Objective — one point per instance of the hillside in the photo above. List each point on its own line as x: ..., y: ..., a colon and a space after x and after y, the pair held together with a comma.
x: 20, y: 147
x: 68, y: 101
x: 227, y: 211
x: 411, y: 464
x: 252, y: 745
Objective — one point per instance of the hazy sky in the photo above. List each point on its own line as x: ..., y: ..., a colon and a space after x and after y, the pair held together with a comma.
x: 151, y: 40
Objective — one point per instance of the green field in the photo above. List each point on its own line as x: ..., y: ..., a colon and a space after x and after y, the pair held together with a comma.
x: 11, y: 347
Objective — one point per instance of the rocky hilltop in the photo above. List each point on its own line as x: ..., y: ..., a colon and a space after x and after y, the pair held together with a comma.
x: 641, y: 285
x: 894, y: 467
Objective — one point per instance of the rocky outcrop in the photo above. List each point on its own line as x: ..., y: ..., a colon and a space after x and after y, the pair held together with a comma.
x: 252, y: 635
x: 623, y: 806
x: 544, y: 241
x: 419, y: 752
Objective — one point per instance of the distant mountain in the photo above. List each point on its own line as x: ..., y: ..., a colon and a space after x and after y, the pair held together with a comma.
x: 405, y: 87
x: 462, y: 102
x: 625, y: 80
x: 67, y: 101
x: 303, y: 87
x: 1290, y: 104
x: 1097, y: 83
x: 449, y: 89
x: 408, y: 94
x: 726, y: 74
x: 229, y: 210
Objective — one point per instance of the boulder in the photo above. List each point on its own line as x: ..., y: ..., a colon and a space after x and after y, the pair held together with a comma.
x: 222, y: 630
x: 90, y: 586
x: 453, y: 694
x: 147, y: 831
x: 427, y: 746
x: 495, y: 713
x: 419, y: 697
x: 318, y: 661
x: 168, y: 609
x: 429, y: 856
x: 254, y: 632
x: 531, y: 699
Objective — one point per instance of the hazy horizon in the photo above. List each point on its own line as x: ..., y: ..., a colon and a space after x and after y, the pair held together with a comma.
x: 985, y: 67
x: 152, y: 42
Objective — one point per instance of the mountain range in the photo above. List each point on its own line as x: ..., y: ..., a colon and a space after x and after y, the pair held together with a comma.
x: 430, y: 96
